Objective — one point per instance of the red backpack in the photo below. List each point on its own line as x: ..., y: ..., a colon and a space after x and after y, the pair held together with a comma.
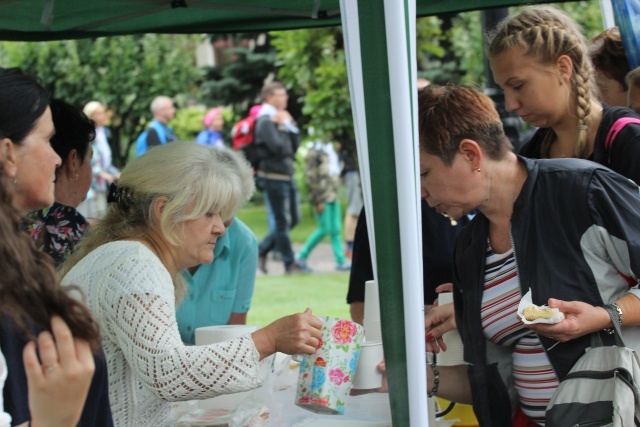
x: 243, y: 139
x: 243, y: 133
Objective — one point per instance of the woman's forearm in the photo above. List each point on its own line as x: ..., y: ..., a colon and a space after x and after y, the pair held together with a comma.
x: 454, y: 383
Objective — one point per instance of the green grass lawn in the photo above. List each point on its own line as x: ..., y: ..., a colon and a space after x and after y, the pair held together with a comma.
x: 278, y: 296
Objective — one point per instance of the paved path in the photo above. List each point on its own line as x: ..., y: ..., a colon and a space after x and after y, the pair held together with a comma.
x: 320, y: 261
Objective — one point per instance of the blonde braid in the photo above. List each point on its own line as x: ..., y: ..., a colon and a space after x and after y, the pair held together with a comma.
x: 548, y: 33
x: 583, y: 106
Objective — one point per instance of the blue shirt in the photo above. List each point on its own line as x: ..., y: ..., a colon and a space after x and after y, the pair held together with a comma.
x: 211, y: 138
x: 223, y: 287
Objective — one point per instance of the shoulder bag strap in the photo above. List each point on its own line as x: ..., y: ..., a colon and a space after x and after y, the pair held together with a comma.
x: 616, y: 128
x: 596, y: 341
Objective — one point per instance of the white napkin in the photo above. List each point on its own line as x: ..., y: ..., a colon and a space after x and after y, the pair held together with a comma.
x: 527, y: 301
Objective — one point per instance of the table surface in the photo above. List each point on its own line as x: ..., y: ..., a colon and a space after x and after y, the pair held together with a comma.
x: 276, y: 397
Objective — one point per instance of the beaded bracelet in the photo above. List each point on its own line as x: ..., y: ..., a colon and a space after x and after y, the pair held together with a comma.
x: 436, y: 380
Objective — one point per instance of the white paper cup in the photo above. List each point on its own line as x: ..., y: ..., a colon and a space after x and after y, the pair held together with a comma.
x: 367, y: 375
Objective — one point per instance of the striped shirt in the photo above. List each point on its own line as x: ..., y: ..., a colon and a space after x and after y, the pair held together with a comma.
x: 534, y: 378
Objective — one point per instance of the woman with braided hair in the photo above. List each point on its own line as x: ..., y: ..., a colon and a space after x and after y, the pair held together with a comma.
x: 540, y: 58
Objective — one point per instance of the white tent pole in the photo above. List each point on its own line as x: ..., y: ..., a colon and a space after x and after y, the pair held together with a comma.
x: 401, y: 39
x: 399, y: 27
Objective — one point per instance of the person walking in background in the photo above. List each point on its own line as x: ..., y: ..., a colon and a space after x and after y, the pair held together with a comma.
x: 611, y: 67
x: 351, y: 178
x: 212, y: 134
x: 277, y: 140
x: 158, y: 132
x: 220, y: 293
x: 57, y: 229
x: 104, y: 173
x: 322, y: 175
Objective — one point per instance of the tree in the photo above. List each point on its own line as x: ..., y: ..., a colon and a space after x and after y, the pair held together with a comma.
x: 124, y: 72
x: 312, y: 62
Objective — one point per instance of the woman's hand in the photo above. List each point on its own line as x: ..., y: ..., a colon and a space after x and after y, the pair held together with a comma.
x: 58, y: 387
x: 296, y: 334
x: 580, y: 319
x: 439, y: 320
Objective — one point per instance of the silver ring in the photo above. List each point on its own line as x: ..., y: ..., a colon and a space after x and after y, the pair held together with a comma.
x: 51, y: 368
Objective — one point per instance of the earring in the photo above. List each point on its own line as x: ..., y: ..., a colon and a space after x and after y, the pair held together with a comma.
x: 14, y: 179
x: 478, y: 170
x: 76, y: 178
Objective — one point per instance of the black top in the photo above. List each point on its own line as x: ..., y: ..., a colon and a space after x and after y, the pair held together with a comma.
x: 438, y: 236
x: 575, y: 248
x: 153, y: 138
x: 625, y: 150
x: 97, y: 410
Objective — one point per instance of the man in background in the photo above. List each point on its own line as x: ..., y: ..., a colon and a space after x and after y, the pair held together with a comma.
x: 277, y: 139
x: 158, y: 132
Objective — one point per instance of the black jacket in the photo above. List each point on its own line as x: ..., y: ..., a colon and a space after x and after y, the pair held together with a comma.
x: 277, y: 146
x: 575, y: 232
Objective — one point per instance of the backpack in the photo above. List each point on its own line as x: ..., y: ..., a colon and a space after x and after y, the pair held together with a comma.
x: 243, y: 132
x: 600, y: 389
x: 141, y: 142
x: 243, y: 140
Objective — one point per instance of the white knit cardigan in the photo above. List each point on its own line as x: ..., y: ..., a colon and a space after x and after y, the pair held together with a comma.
x: 131, y: 294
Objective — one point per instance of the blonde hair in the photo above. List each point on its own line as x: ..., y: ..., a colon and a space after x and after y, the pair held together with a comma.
x: 91, y: 108
x: 548, y: 33
x: 242, y: 168
x: 195, y: 180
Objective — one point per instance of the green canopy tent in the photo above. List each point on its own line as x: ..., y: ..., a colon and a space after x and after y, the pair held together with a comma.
x: 380, y: 44
x: 38, y: 20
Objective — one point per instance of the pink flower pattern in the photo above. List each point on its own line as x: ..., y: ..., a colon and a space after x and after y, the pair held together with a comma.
x: 344, y: 331
x: 337, y: 376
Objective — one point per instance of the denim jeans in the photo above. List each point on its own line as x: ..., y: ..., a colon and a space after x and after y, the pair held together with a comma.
x: 283, y: 198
